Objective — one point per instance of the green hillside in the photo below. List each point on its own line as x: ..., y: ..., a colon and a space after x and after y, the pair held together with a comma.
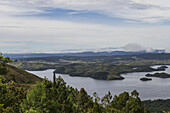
x: 15, y: 74
x: 20, y: 76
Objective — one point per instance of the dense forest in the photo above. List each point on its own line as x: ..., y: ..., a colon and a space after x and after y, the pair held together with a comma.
x: 47, y: 97
x: 157, y: 106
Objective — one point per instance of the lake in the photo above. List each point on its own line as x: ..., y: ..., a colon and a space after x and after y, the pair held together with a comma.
x: 158, y: 88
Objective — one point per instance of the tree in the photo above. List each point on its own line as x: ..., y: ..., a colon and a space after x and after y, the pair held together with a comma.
x: 48, y: 98
x: 106, y: 99
x: 120, y: 101
x: 3, y: 61
x: 134, y: 104
x: 97, y: 108
x: 84, y: 101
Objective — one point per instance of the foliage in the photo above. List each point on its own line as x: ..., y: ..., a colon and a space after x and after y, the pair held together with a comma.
x: 84, y: 101
x: 157, y: 106
x: 11, y: 95
x: 6, y: 110
x: 3, y: 61
x: 48, y: 98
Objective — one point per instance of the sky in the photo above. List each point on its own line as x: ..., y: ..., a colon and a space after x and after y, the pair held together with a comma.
x: 51, y: 26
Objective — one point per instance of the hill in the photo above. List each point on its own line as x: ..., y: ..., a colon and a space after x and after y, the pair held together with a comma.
x: 20, y: 76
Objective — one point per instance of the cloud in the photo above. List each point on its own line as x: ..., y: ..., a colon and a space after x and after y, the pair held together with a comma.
x: 133, y: 47
x: 167, y: 50
x: 20, y: 21
x: 70, y: 35
x: 73, y: 13
x: 149, y: 11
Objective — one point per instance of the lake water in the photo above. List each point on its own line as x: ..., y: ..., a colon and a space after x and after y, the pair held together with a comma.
x: 158, y: 88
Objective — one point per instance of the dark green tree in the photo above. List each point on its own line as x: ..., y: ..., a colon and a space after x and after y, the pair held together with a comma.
x: 3, y: 61
x: 84, y: 101
x: 119, y: 102
x: 134, y: 104
x: 48, y: 98
x: 106, y: 100
x: 97, y: 108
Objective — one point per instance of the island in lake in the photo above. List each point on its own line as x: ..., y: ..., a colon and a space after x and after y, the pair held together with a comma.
x: 145, y: 79
x: 160, y: 75
x: 102, y: 71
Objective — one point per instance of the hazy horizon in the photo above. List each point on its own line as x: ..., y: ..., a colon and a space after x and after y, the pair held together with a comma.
x: 133, y: 47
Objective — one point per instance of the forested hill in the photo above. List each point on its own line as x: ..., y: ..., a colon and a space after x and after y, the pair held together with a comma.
x: 19, y: 75
x: 15, y: 74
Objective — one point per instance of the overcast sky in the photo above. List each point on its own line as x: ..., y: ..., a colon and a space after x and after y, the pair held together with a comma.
x: 54, y: 25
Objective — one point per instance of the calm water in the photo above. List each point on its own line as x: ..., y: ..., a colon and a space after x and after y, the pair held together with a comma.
x: 158, y: 88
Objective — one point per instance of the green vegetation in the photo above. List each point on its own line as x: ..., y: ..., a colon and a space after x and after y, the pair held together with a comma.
x: 45, y: 97
x: 157, y: 106
x: 3, y: 61
x: 35, y: 65
x: 11, y: 95
x: 160, y: 75
x: 17, y: 75
x: 20, y: 76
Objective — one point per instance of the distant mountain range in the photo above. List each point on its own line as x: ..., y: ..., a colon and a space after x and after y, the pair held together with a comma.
x: 79, y: 54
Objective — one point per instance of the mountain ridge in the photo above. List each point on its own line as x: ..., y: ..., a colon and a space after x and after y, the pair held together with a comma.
x: 79, y: 54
